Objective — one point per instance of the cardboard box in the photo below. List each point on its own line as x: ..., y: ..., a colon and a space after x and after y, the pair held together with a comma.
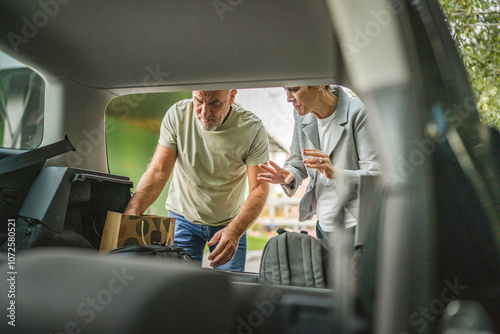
x: 125, y: 230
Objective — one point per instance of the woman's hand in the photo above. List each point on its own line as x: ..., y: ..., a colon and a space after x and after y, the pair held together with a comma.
x: 319, y: 160
x: 275, y: 174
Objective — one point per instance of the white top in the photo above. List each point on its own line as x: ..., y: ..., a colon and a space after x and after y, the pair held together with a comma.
x: 326, y: 189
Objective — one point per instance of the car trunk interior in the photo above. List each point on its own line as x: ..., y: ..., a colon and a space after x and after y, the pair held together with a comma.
x: 408, y: 74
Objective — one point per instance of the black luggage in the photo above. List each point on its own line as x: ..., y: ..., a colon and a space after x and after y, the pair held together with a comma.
x: 158, y: 251
x: 296, y: 259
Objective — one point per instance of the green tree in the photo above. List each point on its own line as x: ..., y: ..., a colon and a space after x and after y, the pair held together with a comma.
x: 475, y: 27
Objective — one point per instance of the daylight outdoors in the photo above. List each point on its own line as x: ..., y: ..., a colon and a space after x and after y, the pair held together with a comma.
x: 475, y: 27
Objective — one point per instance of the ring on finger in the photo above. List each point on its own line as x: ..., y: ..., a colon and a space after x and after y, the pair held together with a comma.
x: 320, y: 160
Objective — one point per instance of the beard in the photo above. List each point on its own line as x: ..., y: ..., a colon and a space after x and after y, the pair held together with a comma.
x: 212, y: 122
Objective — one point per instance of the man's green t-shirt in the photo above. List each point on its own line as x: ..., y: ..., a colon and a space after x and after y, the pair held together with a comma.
x: 209, y: 178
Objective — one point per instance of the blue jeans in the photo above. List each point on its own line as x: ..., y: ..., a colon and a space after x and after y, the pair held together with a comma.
x: 325, y: 237
x: 193, y: 238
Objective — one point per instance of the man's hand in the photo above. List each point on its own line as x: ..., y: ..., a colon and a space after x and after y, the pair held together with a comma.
x: 225, y: 250
x: 229, y: 237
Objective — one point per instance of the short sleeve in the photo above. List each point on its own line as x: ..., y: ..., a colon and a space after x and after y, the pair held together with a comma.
x: 168, y: 130
x: 259, y: 149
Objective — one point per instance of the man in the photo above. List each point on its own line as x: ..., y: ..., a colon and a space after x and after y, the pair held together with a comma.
x: 214, y: 145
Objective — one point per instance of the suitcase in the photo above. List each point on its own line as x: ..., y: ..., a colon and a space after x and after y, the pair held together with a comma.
x: 155, y: 251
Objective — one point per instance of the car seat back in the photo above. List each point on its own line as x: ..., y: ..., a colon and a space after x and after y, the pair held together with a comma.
x: 78, y: 291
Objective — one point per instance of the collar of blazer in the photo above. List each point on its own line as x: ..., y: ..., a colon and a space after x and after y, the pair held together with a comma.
x: 310, y: 123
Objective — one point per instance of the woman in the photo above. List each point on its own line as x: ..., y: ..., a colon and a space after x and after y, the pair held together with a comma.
x: 331, y: 145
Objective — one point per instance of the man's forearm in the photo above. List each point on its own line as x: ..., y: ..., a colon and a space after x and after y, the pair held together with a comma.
x: 149, y: 188
x: 251, y: 210
x: 153, y: 181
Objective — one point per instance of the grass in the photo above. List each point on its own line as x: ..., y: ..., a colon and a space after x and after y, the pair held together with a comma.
x: 256, y: 243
